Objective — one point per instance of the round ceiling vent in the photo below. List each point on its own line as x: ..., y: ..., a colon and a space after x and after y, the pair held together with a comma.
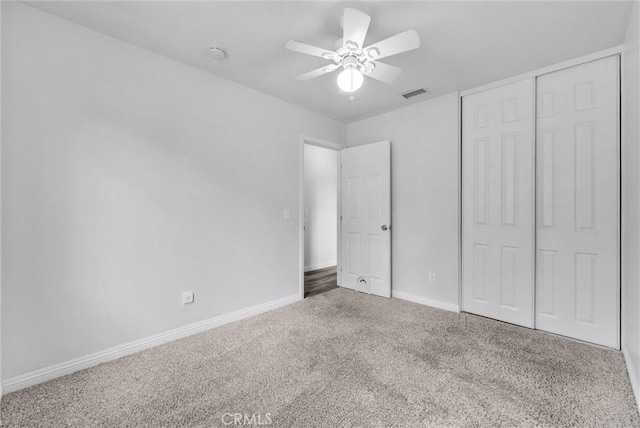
x: 217, y: 53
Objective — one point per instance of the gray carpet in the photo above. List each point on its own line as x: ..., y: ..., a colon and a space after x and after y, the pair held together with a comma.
x: 344, y: 359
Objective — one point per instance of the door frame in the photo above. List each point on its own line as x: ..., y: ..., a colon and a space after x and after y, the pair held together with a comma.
x: 318, y: 142
x: 614, y: 51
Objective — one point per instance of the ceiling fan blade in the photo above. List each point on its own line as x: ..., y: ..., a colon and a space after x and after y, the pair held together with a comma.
x: 315, y: 73
x: 354, y: 25
x: 296, y: 46
x: 399, y: 43
x: 385, y: 73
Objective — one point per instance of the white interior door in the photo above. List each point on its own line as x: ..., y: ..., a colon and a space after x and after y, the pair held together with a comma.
x: 498, y: 203
x: 577, y: 282
x: 366, y: 218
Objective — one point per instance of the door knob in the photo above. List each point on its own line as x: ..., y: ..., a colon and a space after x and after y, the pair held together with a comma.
x: 384, y: 227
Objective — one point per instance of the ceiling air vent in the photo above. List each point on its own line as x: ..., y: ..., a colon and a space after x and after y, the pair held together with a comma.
x: 414, y: 93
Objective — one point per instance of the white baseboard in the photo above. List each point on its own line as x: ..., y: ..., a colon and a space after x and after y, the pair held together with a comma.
x: 425, y: 301
x: 320, y: 266
x: 632, y: 374
x: 57, y: 370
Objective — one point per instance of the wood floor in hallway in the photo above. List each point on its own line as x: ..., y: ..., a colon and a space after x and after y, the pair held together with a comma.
x: 319, y: 281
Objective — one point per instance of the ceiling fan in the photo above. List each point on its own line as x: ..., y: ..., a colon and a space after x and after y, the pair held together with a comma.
x: 355, y: 60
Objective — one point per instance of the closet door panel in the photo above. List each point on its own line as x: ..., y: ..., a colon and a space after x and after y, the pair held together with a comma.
x: 498, y: 176
x: 577, y: 262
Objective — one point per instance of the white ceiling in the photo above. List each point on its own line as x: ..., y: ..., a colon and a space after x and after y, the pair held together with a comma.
x: 464, y: 44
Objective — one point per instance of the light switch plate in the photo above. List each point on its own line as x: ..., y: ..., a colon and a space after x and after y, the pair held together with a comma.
x: 287, y: 214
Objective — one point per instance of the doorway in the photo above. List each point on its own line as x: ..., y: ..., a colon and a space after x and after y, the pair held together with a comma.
x: 320, y: 215
x: 363, y: 231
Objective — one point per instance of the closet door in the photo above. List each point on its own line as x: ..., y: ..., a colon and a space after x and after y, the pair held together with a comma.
x: 577, y: 262
x: 498, y: 203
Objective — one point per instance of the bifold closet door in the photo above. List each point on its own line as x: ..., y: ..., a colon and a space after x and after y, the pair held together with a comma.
x: 577, y: 261
x: 498, y: 203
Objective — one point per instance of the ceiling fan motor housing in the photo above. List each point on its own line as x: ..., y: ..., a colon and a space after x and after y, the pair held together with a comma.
x: 356, y: 60
x: 349, y: 61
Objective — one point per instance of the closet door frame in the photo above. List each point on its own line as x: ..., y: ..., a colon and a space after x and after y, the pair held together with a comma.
x: 615, y: 51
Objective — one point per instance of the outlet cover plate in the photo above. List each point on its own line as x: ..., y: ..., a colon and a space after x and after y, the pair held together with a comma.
x: 187, y: 297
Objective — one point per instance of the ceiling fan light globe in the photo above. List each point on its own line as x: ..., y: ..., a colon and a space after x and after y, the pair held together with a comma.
x: 368, y: 67
x: 351, y: 46
x: 342, y: 51
x: 373, y: 53
x: 350, y: 80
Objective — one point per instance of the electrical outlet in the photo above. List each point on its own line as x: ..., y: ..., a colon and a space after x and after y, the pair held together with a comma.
x: 432, y: 278
x: 187, y: 297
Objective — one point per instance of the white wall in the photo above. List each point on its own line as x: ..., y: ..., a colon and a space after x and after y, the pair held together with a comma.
x: 424, y: 193
x: 321, y: 203
x: 128, y: 178
x: 631, y: 202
